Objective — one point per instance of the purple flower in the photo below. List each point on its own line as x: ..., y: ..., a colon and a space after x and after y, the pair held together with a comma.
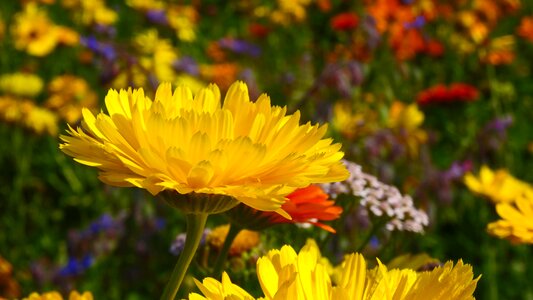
x: 157, y: 16
x: 187, y: 64
x: 240, y: 46
x: 419, y: 22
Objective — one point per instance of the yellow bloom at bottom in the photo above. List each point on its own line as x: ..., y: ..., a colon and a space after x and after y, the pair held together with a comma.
x: 57, y: 296
x: 517, y: 220
x: 284, y: 274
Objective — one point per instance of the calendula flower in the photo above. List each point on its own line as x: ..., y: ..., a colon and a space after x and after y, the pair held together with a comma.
x: 498, y: 186
x: 516, y: 224
x: 251, y: 151
x: 284, y: 274
x: 21, y: 84
x: 307, y: 206
x: 36, y: 34
x: 68, y: 95
x: 244, y: 241
x: 74, y: 295
x: 220, y: 290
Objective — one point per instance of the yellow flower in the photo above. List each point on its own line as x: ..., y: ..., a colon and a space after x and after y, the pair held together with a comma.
x: 288, y: 10
x: 517, y: 220
x: 41, y: 120
x: 283, y: 274
x: 68, y: 95
x: 27, y: 114
x: 36, y: 34
x: 215, y: 290
x: 402, y: 116
x: 183, y: 20
x: 21, y: 84
x: 446, y: 282
x: 406, y: 120
x: 159, y: 55
x: 146, y: 4
x: 251, y: 151
x: 244, y: 241
x: 498, y: 186
x: 57, y: 296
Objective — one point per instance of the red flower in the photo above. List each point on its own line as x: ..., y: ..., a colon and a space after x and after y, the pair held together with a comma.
x: 434, y: 48
x: 257, y: 30
x: 344, y: 22
x: 308, y: 205
x: 457, y: 92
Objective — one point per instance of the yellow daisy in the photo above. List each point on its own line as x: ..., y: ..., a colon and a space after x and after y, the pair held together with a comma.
x: 499, y: 185
x: 517, y: 220
x: 57, y: 296
x: 251, y: 151
x: 283, y: 274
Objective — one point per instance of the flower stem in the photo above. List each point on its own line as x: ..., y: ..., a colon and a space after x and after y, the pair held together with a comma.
x: 375, y: 227
x: 195, y: 230
x: 230, y: 237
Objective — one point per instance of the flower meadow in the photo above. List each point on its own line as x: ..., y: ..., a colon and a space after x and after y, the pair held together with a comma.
x: 303, y: 149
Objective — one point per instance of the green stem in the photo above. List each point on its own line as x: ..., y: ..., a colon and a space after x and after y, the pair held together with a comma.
x: 232, y: 233
x: 195, y: 230
x: 375, y: 227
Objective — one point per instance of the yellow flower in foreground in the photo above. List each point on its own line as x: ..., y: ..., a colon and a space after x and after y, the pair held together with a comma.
x: 216, y: 290
x: 57, y: 296
x: 244, y: 241
x: 251, y: 151
x: 283, y: 274
x: 499, y: 185
x: 517, y: 220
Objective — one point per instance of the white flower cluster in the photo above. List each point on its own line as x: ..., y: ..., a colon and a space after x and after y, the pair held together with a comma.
x: 380, y: 199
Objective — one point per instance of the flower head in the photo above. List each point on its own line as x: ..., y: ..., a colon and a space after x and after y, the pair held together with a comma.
x: 251, y: 151
x: 308, y: 206
x: 516, y: 224
x: 344, y: 21
x: 21, y: 84
x: 244, y: 241
x: 498, y: 186
x: 381, y: 200
x: 57, y: 296
x: 285, y: 274
x: 68, y: 95
x: 36, y: 34
x: 457, y: 92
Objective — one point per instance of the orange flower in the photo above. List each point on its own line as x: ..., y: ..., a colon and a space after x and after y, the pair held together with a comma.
x: 308, y: 205
x: 525, y: 30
